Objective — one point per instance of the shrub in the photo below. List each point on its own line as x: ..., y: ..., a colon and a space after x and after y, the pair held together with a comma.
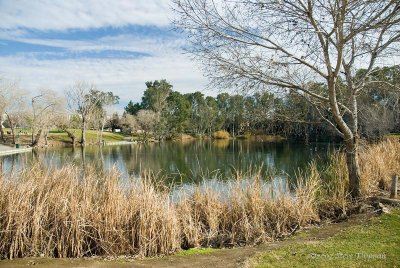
x: 221, y: 135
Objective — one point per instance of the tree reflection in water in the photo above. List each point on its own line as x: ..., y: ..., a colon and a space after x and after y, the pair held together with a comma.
x: 189, y: 162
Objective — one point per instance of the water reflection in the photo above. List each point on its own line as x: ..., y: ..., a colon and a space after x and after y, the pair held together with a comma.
x: 270, y: 188
x: 186, y: 162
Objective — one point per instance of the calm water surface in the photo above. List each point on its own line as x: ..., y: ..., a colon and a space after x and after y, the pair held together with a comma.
x: 183, y: 162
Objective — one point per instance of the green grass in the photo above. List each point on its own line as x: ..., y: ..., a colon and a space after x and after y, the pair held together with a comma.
x: 197, y: 251
x: 91, y: 136
x: 393, y: 135
x: 376, y: 244
x: 61, y: 136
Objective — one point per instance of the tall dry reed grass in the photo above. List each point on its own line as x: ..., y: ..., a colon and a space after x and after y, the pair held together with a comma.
x: 378, y: 163
x: 64, y: 213
x: 61, y: 213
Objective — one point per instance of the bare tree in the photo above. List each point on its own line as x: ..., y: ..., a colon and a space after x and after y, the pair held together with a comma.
x: 147, y: 120
x: 106, y: 100
x: 83, y: 99
x: 15, y: 118
x: 45, y: 108
x: 130, y: 122
x: 288, y: 44
x: 379, y: 105
x: 11, y: 105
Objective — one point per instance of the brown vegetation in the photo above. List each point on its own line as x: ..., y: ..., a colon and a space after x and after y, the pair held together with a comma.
x: 378, y: 163
x: 61, y: 213
x: 221, y: 135
x: 64, y: 213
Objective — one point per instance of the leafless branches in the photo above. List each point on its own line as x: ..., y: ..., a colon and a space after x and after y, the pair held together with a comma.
x: 288, y: 43
x: 292, y: 44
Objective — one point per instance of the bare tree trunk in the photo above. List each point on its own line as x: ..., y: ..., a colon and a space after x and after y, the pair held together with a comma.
x: 32, y: 135
x: 352, y: 151
x: 2, y: 132
x: 46, y: 135
x: 97, y: 136
x: 71, y: 135
x: 349, y: 134
x: 37, y: 138
x: 83, y: 157
x: 12, y: 126
x: 103, y: 123
x: 353, y: 168
x: 83, y: 138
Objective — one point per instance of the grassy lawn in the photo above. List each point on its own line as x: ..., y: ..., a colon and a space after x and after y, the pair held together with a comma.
x: 60, y: 136
x: 376, y: 244
x: 91, y: 136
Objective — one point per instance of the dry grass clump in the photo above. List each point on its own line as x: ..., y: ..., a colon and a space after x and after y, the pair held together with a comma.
x: 378, y: 163
x: 63, y: 213
x: 332, y: 179
x: 221, y: 135
x: 247, y: 213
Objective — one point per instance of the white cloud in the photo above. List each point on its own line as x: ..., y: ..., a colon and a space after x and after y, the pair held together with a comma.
x: 77, y: 14
x: 125, y: 77
x: 123, y: 42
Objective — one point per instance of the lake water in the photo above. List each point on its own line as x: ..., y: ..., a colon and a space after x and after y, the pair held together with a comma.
x: 182, y: 162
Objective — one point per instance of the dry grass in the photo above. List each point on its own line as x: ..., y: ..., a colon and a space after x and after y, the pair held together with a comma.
x: 67, y: 213
x: 378, y: 163
x: 332, y: 179
x: 246, y: 212
x: 221, y: 135
x: 62, y: 213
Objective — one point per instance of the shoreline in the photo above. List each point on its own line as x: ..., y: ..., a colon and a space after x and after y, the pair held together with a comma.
x: 8, y: 150
x: 139, y: 214
x: 54, y: 141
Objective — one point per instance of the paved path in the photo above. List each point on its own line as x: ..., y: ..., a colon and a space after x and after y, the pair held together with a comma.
x: 7, y: 150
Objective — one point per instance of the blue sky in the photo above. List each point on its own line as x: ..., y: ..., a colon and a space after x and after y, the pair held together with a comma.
x: 118, y: 45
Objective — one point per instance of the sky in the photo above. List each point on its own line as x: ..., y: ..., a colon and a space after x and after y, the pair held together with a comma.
x: 116, y: 44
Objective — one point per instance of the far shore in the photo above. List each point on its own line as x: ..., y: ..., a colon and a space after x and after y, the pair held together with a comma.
x: 94, y: 137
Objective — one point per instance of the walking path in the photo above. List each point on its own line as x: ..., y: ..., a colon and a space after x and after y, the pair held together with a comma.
x: 7, y: 150
x: 225, y: 258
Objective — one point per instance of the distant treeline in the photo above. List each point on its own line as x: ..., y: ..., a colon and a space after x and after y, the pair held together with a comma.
x: 284, y: 113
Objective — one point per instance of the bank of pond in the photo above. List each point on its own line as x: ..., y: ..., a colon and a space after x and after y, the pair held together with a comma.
x: 67, y: 203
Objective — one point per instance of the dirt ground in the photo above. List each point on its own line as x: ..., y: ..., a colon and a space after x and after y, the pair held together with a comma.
x: 225, y: 258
